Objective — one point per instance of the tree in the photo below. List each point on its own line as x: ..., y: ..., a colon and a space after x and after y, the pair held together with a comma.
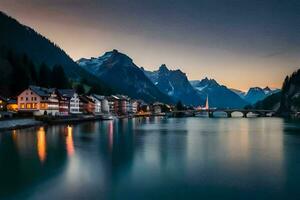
x: 44, y: 76
x: 179, y: 106
x: 80, y: 89
x: 59, y: 78
x: 20, y: 79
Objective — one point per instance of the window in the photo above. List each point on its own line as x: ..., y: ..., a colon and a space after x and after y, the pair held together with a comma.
x: 22, y: 105
x: 26, y: 98
x: 31, y: 98
x: 21, y: 98
x: 28, y: 105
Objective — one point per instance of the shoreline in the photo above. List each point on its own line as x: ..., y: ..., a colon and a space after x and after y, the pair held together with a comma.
x: 22, y: 123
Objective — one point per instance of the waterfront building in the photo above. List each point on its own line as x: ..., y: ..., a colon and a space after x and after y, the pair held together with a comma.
x: 12, y: 105
x: 3, y: 103
x: 111, y: 103
x: 105, y: 106
x: 75, y: 104
x: 39, y: 101
x: 133, y: 106
x: 97, y: 100
x: 119, y: 104
x: 68, y: 102
x: 86, y: 105
x: 156, y: 108
x: 104, y: 103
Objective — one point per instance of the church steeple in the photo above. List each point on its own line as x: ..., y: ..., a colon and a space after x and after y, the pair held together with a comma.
x: 206, y: 103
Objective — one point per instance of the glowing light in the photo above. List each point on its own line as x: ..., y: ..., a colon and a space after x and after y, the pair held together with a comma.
x: 14, y: 135
x: 41, y: 144
x: 111, y: 135
x: 69, y: 141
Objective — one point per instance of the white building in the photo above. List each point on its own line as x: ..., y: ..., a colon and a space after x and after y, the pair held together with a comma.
x: 75, y: 104
x: 39, y: 101
x: 97, y: 100
x: 133, y: 106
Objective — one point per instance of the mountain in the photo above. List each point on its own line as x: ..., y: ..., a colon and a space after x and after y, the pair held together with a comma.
x: 241, y: 93
x: 219, y: 96
x: 175, y: 84
x: 271, y: 102
x: 23, y: 40
x: 120, y: 73
x: 286, y: 101
x: 256, y: 94
x: 290, y: 97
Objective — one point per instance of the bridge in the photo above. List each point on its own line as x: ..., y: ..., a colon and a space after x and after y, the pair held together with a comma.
x: 244, y: 112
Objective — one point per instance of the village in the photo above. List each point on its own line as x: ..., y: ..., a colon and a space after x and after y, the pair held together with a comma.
x: 65, y: 105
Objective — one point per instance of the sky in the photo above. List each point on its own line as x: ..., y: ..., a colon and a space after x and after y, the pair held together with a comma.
x: 240, y: 43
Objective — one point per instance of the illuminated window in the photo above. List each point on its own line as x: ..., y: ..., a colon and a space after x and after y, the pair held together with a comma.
x: 22, y: 105
x: 28, y: 105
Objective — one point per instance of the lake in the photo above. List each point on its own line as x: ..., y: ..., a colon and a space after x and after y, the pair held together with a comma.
x: 153, y: 158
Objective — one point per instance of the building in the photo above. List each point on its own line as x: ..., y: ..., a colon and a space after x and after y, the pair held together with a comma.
x: 104, y: 103
x: 133, y: 106
x: 12, y: 105
x: 3, y: 103
x: 97, y: 100
x: 105, y: 106
x: 68, y: 101
x: 86, y: 105
x: 75, y: 104
x: 156, y: 108
x: 39, y: 101
x: 118, y: 104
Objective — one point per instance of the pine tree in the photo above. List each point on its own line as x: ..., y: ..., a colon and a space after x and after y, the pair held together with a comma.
x: 59, y: 78
x: 44, y: 76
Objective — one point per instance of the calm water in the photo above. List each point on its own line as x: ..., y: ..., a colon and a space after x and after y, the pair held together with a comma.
x: 195, y: 158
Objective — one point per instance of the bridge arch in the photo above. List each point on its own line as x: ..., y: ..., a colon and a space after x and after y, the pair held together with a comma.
x: 237, y: 113
x: 219, y: 113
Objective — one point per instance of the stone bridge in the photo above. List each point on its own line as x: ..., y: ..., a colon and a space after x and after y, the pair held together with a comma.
x: 244, y: 112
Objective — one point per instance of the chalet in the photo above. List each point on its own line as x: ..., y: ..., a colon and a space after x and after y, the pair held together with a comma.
x: 97, y: 100
x: 12, y: 105
x: 86, y: 104
x: 118, y: 104
x: 132, y: 106
x: 156, y: 108
x: 68, y: 101
x: 39, y: 101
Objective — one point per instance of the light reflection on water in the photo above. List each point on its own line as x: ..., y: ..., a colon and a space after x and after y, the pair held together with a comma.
x: 149, y: 158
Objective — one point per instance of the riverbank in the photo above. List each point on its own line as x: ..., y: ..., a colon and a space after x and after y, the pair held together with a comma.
x: 16, y: 123
x: 12, y: 124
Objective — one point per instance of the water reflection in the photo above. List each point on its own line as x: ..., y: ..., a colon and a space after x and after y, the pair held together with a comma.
x: 110, y: 135
x: 69, y: 141
x: 153, y: 158
x: 41, y: 144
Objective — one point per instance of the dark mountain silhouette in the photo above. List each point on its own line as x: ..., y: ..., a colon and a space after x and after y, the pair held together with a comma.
x: 119, y: 72
x: 22, y: 40
x: 175, y: 84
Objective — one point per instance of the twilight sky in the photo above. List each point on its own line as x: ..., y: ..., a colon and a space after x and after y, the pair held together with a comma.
x: 240, y: 43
